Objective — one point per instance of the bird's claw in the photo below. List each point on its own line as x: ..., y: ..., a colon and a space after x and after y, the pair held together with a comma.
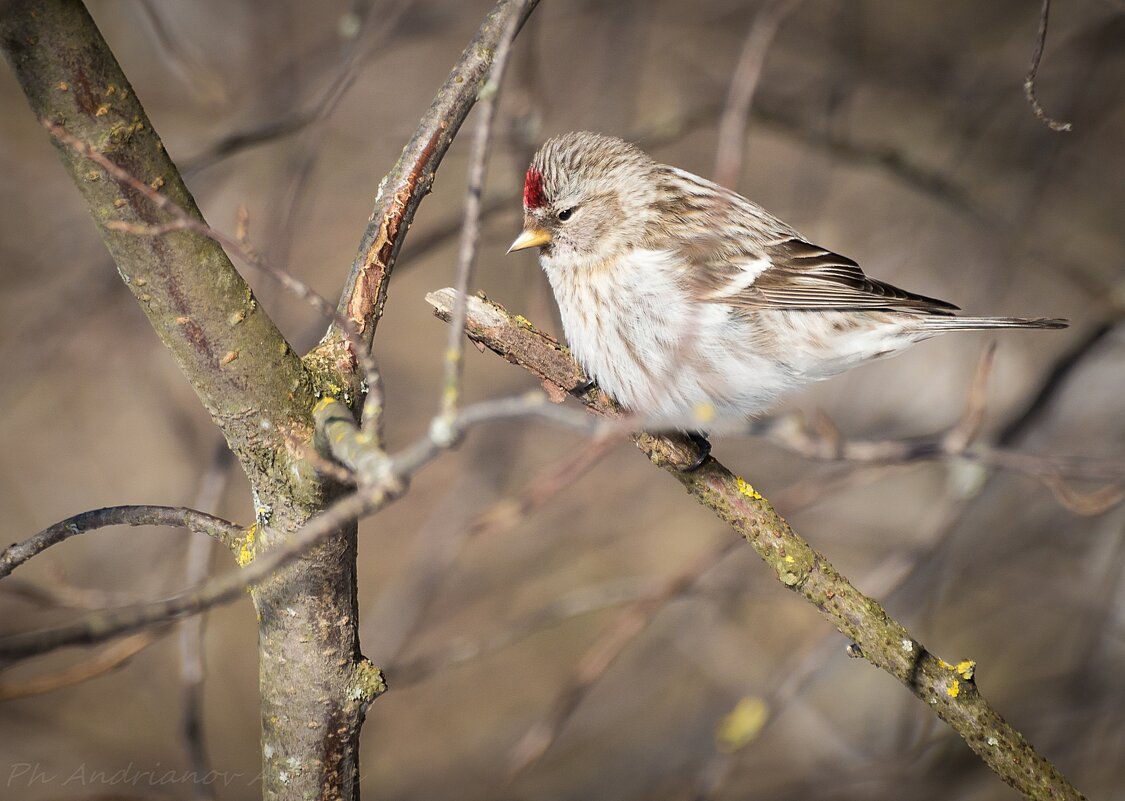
x: 700, y: 442
x: 584, y: 387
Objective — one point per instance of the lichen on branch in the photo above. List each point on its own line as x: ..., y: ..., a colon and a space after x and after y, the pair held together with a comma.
x: 949, y: 690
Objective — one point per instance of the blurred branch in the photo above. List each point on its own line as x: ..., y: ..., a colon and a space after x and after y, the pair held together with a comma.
x: 103, y: 625
x: 381, y: 481
x: 949, y: 690
x: 732, y: 123
x: 197, y: 563
x: 578, y: 602
x: 183, y: 220
x: 601, y: 655
x: 70, y: 77
x: 470, y: 228
x: 109, y: 658
x: 1029, y: 81
x: 509, y: 512
x: 198, y: 522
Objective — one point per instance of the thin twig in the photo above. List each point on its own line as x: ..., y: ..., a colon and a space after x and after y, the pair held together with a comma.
x: 385, y: 485
x: 601, y: 655
x: 470, y: 229
x: 402, y: 189
x: 199, y: 522
x: 576, y: 603
x: 1029, y: 81
x: 732, y: 124
x: 510, y: 512
x: 110, y: 658
x: 239, y: 245
x: 950, y: 691
x: 226, y: 587
x: 191, y: 640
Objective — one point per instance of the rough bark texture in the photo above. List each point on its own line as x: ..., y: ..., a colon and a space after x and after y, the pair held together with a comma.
x: 410, y: 180
x: 315, y: 685
x: 950, y: 690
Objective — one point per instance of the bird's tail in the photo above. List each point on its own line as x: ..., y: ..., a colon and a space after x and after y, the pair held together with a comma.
x: 937, y: 324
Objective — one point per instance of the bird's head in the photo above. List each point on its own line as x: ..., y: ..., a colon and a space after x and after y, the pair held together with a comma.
x: 586, y: 198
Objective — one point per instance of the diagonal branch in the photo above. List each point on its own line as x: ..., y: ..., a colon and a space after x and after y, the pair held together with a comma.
x: 949, y: 690
x: 410, y: 180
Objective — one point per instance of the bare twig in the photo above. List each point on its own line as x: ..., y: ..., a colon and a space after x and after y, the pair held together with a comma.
x: 191, y: 640
x: 1029, y: 81
x: 199, y: 522
x: 949, y: 690
x: 601, y: 655
x: 965, y: 432
x: 101, y: 626
x: 509, y: 512
x: 732, y: 124
x: 239, y: 244
x: 109, y: 658
x: 385, y: 483
x: 582, y: 601
x: 470, y: 229
x: 402, y: 190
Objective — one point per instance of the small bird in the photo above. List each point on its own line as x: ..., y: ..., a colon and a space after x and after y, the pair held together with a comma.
x: 688, y: 303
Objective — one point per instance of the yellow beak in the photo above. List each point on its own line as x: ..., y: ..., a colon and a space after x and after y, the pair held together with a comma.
x: 531, y: 238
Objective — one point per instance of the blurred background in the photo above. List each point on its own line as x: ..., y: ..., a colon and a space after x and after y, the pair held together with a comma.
x: 556, y: 633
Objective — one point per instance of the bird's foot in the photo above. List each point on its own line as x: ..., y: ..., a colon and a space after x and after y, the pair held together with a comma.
x: 581, y: 389
x: 699, y: 440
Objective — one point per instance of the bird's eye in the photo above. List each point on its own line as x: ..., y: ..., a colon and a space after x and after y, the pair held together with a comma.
x: 565, y: 215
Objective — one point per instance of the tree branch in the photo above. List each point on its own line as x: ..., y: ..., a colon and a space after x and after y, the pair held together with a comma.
x: 950, y: 690
x: 224, y: 531
x: 232, y: 353
x: 1029, y: 81
x: 402, y: 189
x: 470, y: 228
x: 105, y: 624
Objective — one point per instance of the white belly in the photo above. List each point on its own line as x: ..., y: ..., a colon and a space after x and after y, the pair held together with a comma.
x: 673, y: 362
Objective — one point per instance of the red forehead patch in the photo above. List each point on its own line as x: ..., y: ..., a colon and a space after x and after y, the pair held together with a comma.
x: 533, y: 195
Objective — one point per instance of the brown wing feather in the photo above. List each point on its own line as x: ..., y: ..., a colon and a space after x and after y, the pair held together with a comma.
x: 804, y: 276
x: 800, y: 276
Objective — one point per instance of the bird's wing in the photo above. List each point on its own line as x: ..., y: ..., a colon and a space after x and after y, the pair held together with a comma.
x: 791, y: 273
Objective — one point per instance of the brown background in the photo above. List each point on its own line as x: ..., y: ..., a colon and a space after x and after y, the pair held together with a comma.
x: 896, y: 133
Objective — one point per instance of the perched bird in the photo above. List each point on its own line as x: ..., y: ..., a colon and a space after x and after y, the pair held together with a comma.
x: 686, y: 302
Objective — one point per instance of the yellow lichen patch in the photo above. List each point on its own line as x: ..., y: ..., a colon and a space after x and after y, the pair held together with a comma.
x: 742, y: 724
x: 370, y: 682
x: 789, y: 559
x: 245, y: 553
x: 954, y: 689
x: 746, y: 490
x: 323, y: 403
x: 965, y: 669
x: 521, y: 320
